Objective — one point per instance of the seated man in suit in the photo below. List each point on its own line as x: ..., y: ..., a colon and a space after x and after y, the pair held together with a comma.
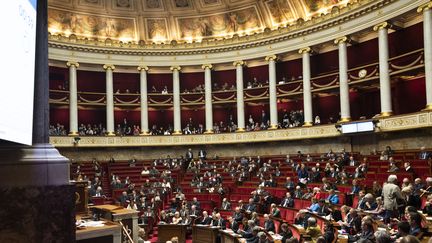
x: 233, y: 225
x: 238, y: 215
x: 218, y: 221
x: 196, y: 203
x: 408, y: 168
x: 225, y: 204
x: 251, y: 207
x: 287, y: 201
x: 323, y: 209
x: 194, y: 212
x: 252, y: 237
x: 205, y: 220
x: 289, y: 185
x: 268, y: 224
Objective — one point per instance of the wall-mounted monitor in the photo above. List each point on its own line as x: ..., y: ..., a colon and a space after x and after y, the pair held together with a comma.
x: 17, y: 65
x: 355, y: 127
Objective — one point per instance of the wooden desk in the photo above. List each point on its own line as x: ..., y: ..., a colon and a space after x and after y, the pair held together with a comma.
x: 110, y: 233
x: 204, y: 234
x: 167, y: 231
x: 128, y: 217
x: 228, y: 236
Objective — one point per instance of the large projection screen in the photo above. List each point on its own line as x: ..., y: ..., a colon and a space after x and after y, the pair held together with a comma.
x: 17, y: 65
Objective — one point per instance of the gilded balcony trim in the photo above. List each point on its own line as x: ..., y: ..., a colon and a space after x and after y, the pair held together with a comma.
x: 385, y: 124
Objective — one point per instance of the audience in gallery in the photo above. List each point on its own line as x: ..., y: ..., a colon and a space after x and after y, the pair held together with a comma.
x: 393, y: 206
x: 57, y: 130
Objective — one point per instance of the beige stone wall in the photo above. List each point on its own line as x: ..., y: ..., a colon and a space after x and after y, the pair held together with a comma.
x: 364, y: 144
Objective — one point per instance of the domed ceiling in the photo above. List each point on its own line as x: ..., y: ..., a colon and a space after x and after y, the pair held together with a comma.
x: 181, y: 20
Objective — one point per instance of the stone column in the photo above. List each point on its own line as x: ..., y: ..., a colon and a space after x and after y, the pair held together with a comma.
x: 208, y: 98
x: 240, y: 96
x: 272, y: 91
x: 143, y: 101
x: 343, y: 79
x: 427, y: 36
x: 385, y: 86
x: 73, y: 98
x: 176, y: 100
x: 34, y: 180
x: 307, y: 90
x: 109, y: 99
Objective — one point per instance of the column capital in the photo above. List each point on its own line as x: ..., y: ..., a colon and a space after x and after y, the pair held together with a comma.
x: 424, y: 7
x: 239, y: 63
x: 305, y: 50
x: 172, y: 68
x: 205, y: 66
x: 343, y: 39
x: 108, y: 66
x: 72, y: 63
x: 142, y: 68
x: 383, y: 25
x: 271, y: 58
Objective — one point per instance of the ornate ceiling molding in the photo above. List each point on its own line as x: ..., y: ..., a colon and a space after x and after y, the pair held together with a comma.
x: 282, y: 40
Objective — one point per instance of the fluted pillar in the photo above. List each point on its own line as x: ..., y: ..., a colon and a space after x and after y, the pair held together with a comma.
x: 73, y: 98
x: 427, y: 36
x: 272, y: 91
x: 143, y: 100
x: 176, y: 99
x: 109, y: 99
x: 240, y: 96
x: 208, y: 98
x: 343, y: 79
x: 307, y: 90
x: 385, y: 86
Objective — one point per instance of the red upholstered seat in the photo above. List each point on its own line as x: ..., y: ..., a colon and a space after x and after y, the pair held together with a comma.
x: 277, y: 226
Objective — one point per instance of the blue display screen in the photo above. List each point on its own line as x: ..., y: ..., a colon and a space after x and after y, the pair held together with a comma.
x: 33, y: 3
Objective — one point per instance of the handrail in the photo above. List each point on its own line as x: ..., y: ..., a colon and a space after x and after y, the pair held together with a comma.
x: 126, y: 233
x: 248, y: 97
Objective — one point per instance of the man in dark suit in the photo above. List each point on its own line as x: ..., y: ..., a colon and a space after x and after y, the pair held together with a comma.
x: 268, y: 224
x: 196, y: 203
x: 206, y: 219
x: 289, y: 185
x: 194, y: 212
x: 251, y: 207
x: 188, y: 157
x: 323, y: 209
x: 218, y: 221
x: 202, y: 154
x: 287, y: 201
x: 124, y: 198
x: 408, y: 168
x: 233, y: 225
x: 238, y: 215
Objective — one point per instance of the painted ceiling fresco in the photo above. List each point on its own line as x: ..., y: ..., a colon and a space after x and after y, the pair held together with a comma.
x: 187, y: 20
